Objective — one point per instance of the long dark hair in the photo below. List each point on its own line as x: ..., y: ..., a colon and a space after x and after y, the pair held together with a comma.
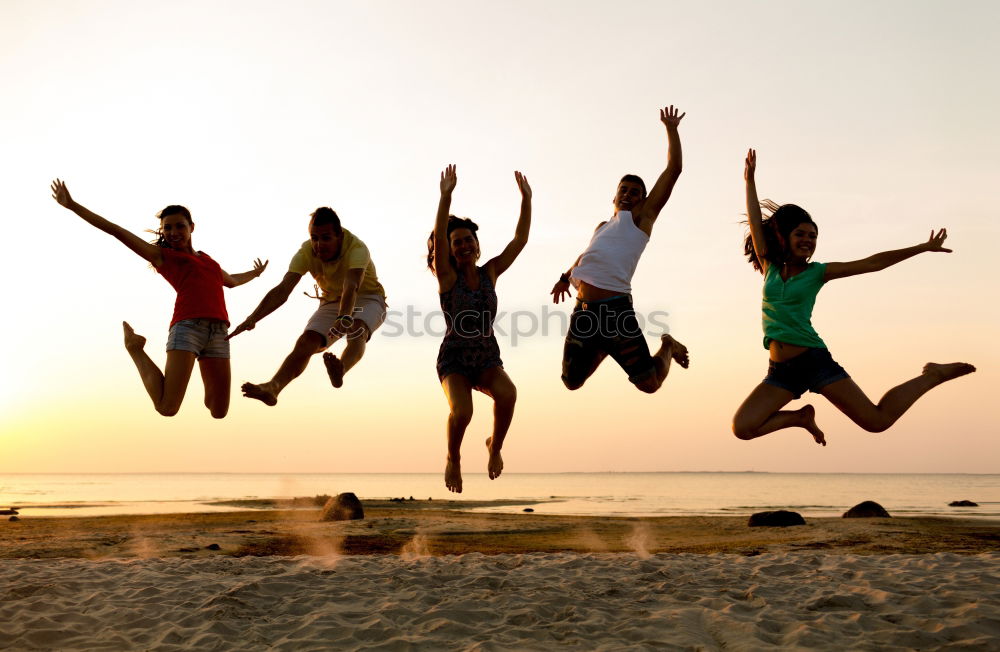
x: 173, y: 209
x: 453, y: 224
x: 778, y: 224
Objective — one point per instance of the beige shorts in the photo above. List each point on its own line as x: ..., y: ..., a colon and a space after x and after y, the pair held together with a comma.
x: 368, y: 308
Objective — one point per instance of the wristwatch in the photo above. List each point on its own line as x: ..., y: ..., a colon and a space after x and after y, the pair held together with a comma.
x: 563, y: 278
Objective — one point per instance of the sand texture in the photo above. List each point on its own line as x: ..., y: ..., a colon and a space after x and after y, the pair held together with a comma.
x: 391, y: 528
x: 535, y: 601
x: 425, y: 577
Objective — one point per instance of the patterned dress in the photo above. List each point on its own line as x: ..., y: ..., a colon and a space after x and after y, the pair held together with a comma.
x: 469, y: 346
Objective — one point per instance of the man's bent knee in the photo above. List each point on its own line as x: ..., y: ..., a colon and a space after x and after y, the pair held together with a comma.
x: 310, y: 342
x: 650, y: 386
x: 573, y: 383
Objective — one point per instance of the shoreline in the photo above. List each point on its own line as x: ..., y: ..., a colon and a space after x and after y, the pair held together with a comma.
x: 439, y: 528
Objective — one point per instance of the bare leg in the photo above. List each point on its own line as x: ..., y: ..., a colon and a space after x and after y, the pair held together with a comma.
x: 217, y: 378
x: 308, y: 344
x: 165, y: 389
x: 458, y: 390
x: 849, y: 399
x: 357, y: 341
x: 497, y: 384
x: 670, y: 350
x: 761, y: 414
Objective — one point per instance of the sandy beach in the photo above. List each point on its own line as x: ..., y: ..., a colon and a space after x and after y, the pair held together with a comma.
x: 421, y: 575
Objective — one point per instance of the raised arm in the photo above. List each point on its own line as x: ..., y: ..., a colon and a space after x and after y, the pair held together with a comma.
x: 660, y: 192
x: 442, y: 248
x: 885, y: 259
x: 754, y: 217
x: 273, y: 300
x: 233, y: 280
x: 147, y: 250
x: 499, y: 265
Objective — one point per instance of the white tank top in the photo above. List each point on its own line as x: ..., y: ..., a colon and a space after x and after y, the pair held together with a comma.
x: 612, y: 255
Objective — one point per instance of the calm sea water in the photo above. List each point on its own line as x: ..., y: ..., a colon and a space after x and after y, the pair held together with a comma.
x: 620, y: 494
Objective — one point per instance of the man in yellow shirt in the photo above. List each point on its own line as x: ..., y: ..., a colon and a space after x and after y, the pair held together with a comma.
x: 352, y: 304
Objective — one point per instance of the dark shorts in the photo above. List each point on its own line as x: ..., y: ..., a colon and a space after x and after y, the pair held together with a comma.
x: 470, y: 361
x: 601, y: 328
x: 811, y: 370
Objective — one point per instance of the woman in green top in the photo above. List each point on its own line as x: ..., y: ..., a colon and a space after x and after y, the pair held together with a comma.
x: 780, y: 247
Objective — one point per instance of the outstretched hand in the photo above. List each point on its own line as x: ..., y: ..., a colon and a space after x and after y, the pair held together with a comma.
x: 935, y: 242
x: 522, y: 185
x: 61, y: 194
x: 669, y: 117
x: 247, y: 325
x: 449, y: 179
x: 259, y: 267
x: 560, y: 291
x: 750, y: 166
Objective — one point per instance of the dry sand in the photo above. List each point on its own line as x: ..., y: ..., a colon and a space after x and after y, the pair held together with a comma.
x: 417, y: 576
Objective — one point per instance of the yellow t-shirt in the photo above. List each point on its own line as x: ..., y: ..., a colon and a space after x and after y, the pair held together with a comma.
x: 330, y: 275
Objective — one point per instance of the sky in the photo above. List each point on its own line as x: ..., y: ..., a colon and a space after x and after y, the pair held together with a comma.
x: 878, y: 118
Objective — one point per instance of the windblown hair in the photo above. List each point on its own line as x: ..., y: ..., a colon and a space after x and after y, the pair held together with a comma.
x: 453, y: 224
x: 173, y: 209
x: 635, y: 178
x: 326, y: 215
x: 778, y: 224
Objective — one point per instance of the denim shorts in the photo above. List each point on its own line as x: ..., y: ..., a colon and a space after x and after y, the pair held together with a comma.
x: 811, y: 370
x: 206, y: 338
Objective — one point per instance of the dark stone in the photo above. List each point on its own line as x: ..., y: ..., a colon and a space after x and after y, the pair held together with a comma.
x: 528, y: 509
x: 867, y: 509
x: 962, y: 503
x: 213, y: 546
x: 779, y: 518
x: 343, y: 507
x: 14, y: 519
x: 8, y: 512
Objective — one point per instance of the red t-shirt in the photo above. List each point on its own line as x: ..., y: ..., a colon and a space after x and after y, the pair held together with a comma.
x: 198, y: 281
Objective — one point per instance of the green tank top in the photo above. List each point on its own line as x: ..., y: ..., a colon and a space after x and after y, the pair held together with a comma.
x: 788, y: 306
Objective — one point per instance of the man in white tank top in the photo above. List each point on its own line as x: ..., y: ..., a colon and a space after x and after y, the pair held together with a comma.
x: 603, y: 322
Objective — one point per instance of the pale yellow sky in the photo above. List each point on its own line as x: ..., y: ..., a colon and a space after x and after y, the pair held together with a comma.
x: 877, y: 118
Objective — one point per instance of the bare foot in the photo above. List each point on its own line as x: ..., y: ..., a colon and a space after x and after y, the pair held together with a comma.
x: 495, y: 466
x: 133, y: 342
x: 262, y: 393
x: 453, y: 476
x: 334, y: 369
x: 677, y: 350
x: 808, y: 415
x: 945, y: 372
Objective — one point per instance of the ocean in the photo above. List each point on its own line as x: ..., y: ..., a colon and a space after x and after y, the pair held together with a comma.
x: 612, y: 494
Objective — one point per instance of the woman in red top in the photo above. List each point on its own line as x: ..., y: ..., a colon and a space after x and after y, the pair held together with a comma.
x: 200, y: 323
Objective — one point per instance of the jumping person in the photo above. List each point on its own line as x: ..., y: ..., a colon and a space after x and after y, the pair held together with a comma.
x: 200, y: 322
x: 603, y: 322
x: 780, y: 247
x: 469, y: 357
x: 352, y: 304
